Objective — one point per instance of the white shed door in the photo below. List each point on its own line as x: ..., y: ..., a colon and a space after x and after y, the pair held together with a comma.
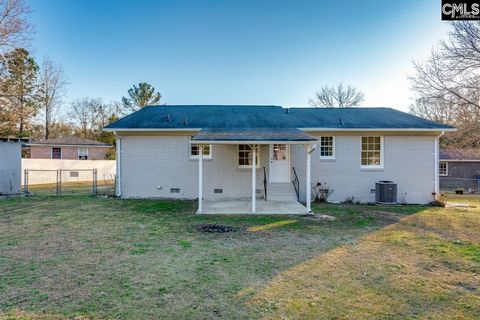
x: 279, y: 162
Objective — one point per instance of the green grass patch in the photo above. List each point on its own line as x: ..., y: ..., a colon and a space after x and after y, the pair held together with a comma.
x: 81, y: 256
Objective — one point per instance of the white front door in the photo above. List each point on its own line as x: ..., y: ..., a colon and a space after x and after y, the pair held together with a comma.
x: 279, y: 163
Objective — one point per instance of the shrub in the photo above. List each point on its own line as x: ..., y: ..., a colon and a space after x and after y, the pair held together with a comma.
x: 349, y: 200
x: 321, y: 192
x: 439, y: 201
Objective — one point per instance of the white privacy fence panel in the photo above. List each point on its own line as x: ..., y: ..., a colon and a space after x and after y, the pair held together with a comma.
x: 105, y: 170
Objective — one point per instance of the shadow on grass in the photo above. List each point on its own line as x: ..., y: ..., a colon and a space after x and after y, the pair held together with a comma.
x: 425, y: 265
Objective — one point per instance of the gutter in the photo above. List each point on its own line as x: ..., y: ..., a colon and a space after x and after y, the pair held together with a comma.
x: 252, y: 141
x: 68, y: 145
x: 114, y: 130
x: 302, y: 129
x: 119, y: 164
x: 435, y: 170
x: 381, y: 129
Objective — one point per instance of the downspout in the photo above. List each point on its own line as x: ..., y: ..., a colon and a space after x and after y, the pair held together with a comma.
x: 119, y: 164
x: 436, y: 173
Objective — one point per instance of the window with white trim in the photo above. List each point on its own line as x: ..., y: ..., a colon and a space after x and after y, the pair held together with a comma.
x: 443, y: 168
x: 245, y: 156
x: 56, y: 153
x: 371, y: 154
x: 327, y: 147
x: 195, y: 151
x: 82, y: 153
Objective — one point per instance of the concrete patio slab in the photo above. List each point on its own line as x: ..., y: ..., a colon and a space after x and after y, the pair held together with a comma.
x: 244, y: 206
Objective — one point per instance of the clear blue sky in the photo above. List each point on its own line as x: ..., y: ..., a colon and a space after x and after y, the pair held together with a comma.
x: 237, y: 52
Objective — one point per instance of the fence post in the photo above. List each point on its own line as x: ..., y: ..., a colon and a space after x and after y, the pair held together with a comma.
x: 59, y: 182
x: 94, y: 186
x: 25, y: 181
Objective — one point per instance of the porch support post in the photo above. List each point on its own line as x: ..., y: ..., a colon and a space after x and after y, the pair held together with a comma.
x: 200, y: 178
x: 308, y: 184
x: 254, y: 179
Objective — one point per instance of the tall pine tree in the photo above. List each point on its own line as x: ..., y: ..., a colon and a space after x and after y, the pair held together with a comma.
x: 18, y: 90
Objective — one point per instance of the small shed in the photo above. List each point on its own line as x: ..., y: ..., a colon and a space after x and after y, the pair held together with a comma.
x: 10, y: 164
x: 459, y: 169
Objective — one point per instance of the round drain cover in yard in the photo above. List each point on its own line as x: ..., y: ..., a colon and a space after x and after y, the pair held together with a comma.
x: 218, y: 228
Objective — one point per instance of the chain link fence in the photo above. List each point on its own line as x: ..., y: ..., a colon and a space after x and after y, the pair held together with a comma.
x: 459, y: 185
x: 67, y: 182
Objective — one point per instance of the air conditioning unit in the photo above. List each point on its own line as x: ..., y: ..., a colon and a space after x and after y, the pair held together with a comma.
x: 386, y: 192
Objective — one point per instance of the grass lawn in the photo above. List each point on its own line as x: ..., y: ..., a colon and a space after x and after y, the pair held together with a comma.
x: 104, y: 187
x: 95, y: 258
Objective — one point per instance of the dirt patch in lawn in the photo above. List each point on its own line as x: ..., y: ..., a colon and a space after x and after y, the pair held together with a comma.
x: 216, y: 228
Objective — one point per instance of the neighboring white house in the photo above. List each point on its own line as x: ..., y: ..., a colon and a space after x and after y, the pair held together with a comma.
x: 10, y: 165
x: 346, y: 149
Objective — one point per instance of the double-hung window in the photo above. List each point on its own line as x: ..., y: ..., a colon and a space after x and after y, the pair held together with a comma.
x: 443, y: 168
x: 327, y: 148
x: 195, y: 151
x: 56, y: 153
x: 372, y: 152
x: 245, y: 156
x: 82, y: 153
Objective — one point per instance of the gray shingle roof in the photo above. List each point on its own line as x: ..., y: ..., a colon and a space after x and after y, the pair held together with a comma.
x: 70, y: 140
x: 460, y: 154
x: 251, y: 117
x: 258, y: 134
x: 360, y: 118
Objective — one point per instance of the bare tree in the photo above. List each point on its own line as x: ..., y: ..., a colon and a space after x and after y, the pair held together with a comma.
x: 52, y: 90
x: 447, y: 84
x: 337, y: 97
x: 14, y: 27
x: 84, y: 114
x: 91, y: 115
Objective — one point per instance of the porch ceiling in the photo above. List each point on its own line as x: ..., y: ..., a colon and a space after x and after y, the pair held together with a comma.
x: 252, y: 135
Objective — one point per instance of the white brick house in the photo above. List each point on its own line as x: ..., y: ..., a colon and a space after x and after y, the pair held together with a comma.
x: 347, y: 149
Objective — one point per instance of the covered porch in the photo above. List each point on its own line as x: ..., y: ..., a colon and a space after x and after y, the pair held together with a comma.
x: 277, y: 178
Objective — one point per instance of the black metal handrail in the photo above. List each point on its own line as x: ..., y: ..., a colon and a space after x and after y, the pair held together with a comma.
x: 296, y: 183
x: 265, y: 182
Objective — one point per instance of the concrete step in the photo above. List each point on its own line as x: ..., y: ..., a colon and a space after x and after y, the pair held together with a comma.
x: 284, y: 192
x: 281, y: 192
x: 281, y: 189
x: 280, y: 184
x: 282, y: 198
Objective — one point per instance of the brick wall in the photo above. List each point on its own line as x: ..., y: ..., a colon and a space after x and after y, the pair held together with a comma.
x: 152, y: 165
x: 94, y: 153
x: 408, y: 161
